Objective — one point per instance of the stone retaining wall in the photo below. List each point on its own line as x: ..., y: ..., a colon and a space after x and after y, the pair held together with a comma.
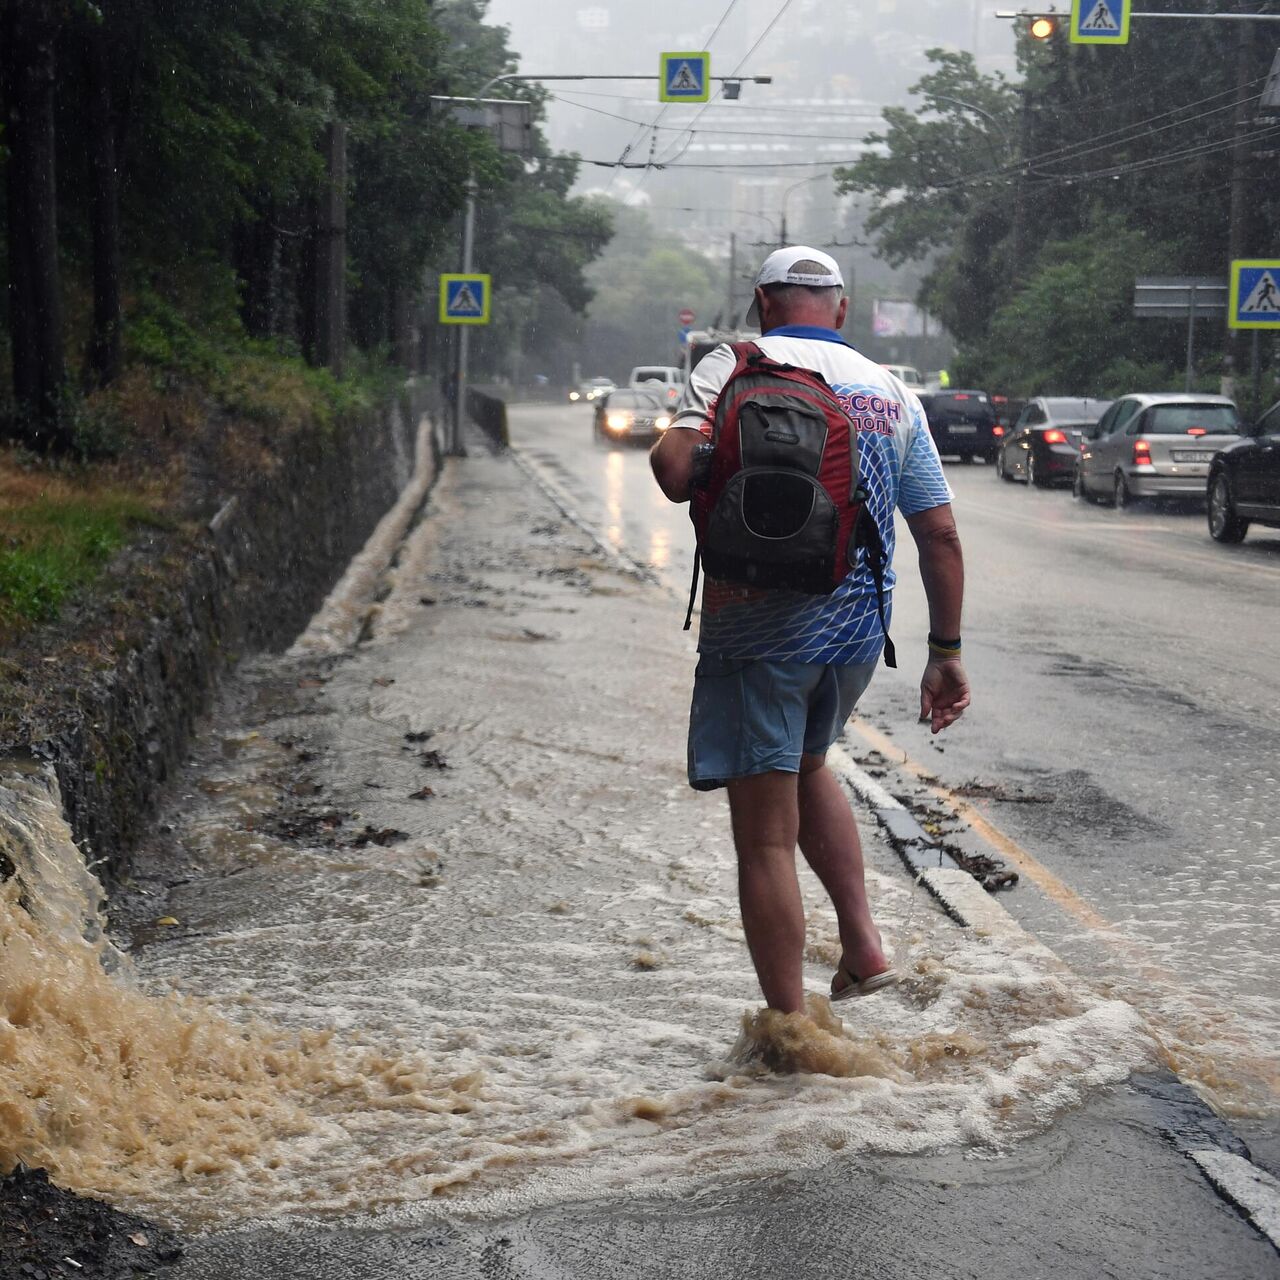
x: 249, y: 583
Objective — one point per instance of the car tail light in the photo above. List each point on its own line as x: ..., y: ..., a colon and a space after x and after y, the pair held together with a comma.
x: 997, y: 430
x: 1141, y: 452
x: 960, y: 396
x: 1197, y: 431
x: 1055, y: 437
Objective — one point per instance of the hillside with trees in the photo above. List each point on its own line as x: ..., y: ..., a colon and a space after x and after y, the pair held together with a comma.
x: 1036, y: 205
x: 175, y: 180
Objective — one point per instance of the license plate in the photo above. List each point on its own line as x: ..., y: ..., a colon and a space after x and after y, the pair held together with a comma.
x: 1193, y: 455
x: 960, y: 431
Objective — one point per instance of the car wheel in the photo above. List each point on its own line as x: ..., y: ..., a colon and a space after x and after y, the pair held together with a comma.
x: 967, y: 459
x: 1120, y: 495
x: 1077, y: 484
x: 1001, y: 470
x: 1224, y: 524
x: 1033, y: 479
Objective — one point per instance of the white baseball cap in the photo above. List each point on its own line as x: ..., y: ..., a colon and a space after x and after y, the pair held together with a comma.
x: 777, y: 268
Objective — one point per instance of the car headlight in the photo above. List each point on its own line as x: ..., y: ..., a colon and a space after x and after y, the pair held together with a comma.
x: 573, y: 395
x: 617, y: 421
x: 661, y: 424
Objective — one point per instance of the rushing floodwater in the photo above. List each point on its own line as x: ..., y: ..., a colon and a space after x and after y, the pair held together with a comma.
x: 537, y: 989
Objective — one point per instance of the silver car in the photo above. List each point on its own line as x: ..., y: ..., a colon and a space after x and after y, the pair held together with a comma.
x: 1155, y: 446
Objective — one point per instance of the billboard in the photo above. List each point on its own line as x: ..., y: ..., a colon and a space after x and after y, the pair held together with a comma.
x: 898, y: 318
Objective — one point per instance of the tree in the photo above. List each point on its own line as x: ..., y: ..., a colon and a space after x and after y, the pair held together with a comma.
x: 28, y: 32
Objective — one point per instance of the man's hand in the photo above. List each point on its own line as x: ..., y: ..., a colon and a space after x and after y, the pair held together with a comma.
x: 672, y: 461
x: 944, y: 692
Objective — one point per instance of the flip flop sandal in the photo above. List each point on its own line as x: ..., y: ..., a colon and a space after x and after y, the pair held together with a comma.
x: 855, y: 986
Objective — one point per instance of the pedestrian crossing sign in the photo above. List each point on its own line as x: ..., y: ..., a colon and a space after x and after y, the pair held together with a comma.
x: 1100, y: 21
x: 684, y: 77
x: 1255, y: 294
x: 464, y: 299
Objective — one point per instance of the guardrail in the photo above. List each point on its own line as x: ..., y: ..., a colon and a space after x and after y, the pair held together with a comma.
x: 489, y: 413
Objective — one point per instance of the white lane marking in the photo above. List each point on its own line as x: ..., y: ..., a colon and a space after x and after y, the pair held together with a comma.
x: 1244, y: 1184
x: 555, y: 491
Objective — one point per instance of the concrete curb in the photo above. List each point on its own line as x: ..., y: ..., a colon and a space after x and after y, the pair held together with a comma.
x: 1184, y: 1118
x: 1223, y: 1158
x: 553, y: 489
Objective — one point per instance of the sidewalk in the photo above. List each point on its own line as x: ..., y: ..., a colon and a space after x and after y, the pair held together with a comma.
x: 517, y: 903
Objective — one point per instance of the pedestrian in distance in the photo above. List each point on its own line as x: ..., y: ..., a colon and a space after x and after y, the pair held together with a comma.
x: 781, y: 670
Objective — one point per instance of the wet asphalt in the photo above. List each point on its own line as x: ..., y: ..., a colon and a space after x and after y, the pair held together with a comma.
x: 1106, y: 1191
x: 1123, y: 733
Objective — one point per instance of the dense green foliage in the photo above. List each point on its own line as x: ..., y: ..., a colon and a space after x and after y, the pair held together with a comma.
x: 1036, y: 206
x: 213, y: 119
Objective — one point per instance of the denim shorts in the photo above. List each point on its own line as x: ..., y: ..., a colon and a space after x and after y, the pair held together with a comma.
x: 757, y: 716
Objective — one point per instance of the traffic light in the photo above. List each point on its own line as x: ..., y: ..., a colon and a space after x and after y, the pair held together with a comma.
x: 1042, y: 26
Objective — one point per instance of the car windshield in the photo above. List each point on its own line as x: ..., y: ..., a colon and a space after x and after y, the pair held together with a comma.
x: 960, y: 404
x: 1075, y: 412
x: 634, y: 400
x: 1178, y: 419
x: 652, y: 375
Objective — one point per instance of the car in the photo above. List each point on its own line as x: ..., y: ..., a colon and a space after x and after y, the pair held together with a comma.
x: 592, y: 389
x: 962, y: 423
x: 666, y: 379
x: 1042, y: 446
x: 625, y: 415
x: 907, y: 374
x: 1244, y: 481
x: 1154, y: 446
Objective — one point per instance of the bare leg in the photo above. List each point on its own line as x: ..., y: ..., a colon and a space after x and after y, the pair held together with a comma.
x: 829, y: 841
x: 765, y: 817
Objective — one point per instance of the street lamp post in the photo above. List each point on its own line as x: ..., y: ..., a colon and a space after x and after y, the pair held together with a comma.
x: 732, y: 86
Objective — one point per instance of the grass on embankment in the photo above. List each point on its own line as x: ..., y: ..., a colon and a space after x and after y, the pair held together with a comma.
x: 57, y: 531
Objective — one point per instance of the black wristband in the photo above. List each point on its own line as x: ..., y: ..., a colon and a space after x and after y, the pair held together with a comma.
x: 944, y: 644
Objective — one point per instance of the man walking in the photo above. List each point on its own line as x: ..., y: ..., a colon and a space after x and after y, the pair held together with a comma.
x: 779, y: 671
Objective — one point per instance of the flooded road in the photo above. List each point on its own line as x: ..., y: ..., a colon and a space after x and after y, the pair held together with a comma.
x: 448, y: 934
x: 1123, y: 736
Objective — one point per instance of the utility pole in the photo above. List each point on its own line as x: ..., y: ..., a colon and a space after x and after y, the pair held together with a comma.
x: 331, y: 256
x: 730, y: 314
x: 1238, y: 226
x: 462, y: 350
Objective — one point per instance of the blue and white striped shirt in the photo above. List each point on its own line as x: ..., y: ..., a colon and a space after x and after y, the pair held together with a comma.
x: 899, y: 465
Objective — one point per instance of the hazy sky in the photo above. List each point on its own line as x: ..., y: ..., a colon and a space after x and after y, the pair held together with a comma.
x: 834, y: 63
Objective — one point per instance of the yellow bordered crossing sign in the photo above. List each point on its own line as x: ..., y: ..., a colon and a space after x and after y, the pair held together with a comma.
x: 1255, y: 294
x: 1100, y: 21
x: 464, y: 299
x: 684, y: 77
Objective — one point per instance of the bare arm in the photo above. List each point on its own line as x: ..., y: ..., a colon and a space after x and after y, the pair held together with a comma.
x: 944, y: 687
x: 672, y: 461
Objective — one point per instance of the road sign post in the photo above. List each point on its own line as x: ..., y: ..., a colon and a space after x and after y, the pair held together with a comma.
x: 685, y: 316
x: 684, y: 77
x: 1255, y: 294
x: 1100, y: 21
x: 1181, y: 297
x: 464, y: 298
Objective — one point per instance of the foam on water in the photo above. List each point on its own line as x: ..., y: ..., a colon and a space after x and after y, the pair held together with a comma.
x: 450, y: 1080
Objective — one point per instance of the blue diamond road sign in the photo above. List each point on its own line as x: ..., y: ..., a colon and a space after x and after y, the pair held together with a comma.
x: 1100, y: 21
x: 464, y: 299
x: 1255, y: 294
x: 685, y: 77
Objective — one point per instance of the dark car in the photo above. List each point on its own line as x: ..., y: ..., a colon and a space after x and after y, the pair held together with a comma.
x: 628, y: 414
x: 1244, y: 481
x: 962, y: 423
x: 1043, y: 445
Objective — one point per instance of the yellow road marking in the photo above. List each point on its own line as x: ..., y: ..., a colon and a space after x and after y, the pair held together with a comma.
x: 1263, y: 1069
